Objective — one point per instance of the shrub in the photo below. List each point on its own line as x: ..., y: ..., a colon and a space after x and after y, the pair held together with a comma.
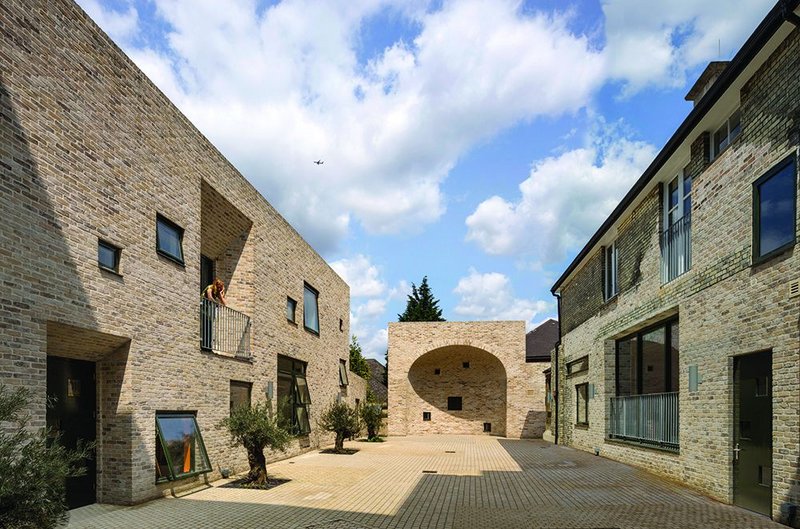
x: 255, y: 428
x: 372, y: 415
x: 340, y: 418
x: 34, y: 466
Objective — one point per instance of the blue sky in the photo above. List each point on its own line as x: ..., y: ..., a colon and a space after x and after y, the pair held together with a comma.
x: 478, y: 142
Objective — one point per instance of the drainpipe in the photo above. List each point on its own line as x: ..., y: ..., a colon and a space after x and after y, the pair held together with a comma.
x: 555, y: 368
x: 789, y: 14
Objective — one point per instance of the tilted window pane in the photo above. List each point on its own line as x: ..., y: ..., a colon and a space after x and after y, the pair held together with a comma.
x: 303, y: 395
x: 182, y: 444
x: 342, y: 374
x: 310, y: 310
x: 301, y: 413
x: 776, y: 210
x: 654, y: 362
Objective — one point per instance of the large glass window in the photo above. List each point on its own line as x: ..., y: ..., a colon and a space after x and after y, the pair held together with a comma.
x: 169, y: 239
x: 774, y: 209
x: 293, y: 395
x: 648, y: 361
x: 310, y: 309
x: 180, y: 451
x: 582, y: 400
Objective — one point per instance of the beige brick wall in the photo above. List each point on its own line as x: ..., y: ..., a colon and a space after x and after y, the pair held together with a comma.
x: 726, y: 306
x: 498, y: 387
x: 90, y: 149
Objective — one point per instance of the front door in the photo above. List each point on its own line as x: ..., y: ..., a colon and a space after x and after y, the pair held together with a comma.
x: 752, y: 426
x: 71, y: 391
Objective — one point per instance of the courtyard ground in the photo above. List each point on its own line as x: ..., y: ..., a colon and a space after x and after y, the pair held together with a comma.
x: 438, y: 482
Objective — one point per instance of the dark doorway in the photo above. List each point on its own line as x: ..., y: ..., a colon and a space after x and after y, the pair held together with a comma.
x: 71, y: 390
x: 207, y: 271
x: 752, y: 426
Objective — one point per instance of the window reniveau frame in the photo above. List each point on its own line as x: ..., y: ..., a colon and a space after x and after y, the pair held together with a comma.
x: 178, y: 438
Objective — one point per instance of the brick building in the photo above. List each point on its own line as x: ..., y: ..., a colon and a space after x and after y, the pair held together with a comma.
x: 679, y: 318
x: 468, y: 377
x: 116, y: 212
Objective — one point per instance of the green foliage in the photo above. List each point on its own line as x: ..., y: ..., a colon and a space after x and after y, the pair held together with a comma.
x: 358, y: 364
x: 372, y: 414
x: 421, y: 305
x: 386, y: 371
x: 340, y: 418
x: 33, y: 468
x: 255, y: 428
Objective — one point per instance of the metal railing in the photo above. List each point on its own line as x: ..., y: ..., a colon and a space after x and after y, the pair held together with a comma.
x: 224, y: 329
x: 676, y: 249
x: 648, y: 419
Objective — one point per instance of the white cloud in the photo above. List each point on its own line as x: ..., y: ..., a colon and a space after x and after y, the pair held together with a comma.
x: 361, y: 275
x: 120, y: 25
x: 656, y: 43
x: 278, y: 88
x: 490, y: 297
x: 565, y: 198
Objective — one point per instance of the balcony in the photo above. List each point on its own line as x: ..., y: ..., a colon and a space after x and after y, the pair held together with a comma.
x: 676, y: 249
x: 646, y: 419
x: 224, y: 330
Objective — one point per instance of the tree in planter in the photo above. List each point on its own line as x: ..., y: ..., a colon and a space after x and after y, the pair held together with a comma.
x: 34, y: 467
x: 255, y: 428
x: 358, y: 364
x: 341, y: 419
x: 371, y: 414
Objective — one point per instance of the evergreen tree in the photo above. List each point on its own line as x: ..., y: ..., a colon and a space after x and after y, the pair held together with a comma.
x: 421, y: 305
x: 358, y: 364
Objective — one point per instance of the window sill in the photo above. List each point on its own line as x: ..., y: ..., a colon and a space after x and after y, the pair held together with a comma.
x: 171, y: 257
x: 646, y: 446
x: 611, y: 299
x: 774, y: 254
x: 582, y: 425
x: 109, y: 270
x: 311, y: 331
x: 291, y: 322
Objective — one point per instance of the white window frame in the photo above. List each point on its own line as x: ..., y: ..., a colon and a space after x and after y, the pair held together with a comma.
x: 729, y: 137
x: 610, y: 275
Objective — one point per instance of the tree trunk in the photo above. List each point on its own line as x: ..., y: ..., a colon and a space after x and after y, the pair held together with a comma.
x: 258, y: 466
x: 339, y: 441
x: 371, y: 433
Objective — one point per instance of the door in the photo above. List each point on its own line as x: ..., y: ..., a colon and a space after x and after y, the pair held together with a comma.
x: 71, y: 391
x: 752, y: 455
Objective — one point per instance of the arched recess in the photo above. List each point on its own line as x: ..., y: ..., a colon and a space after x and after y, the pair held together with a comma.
x: 473, y: 374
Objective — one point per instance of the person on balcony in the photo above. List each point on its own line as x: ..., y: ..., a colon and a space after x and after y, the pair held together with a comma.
x: 216, y: 292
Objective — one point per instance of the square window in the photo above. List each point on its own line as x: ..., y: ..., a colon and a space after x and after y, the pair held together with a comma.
x: 169, y: 239
x: 437, y: 371
x: 180, y: 451
x: 487, y: 427
x: 465, y: 365
x: 582, y: 400
x: 342, y: 373
x: 108, y: 256
x: 240, y: 394
x: 454, y: 403
x: 426, y: 416
x: 310, y: 309
x: 774, y: 210
x: 291, y: 309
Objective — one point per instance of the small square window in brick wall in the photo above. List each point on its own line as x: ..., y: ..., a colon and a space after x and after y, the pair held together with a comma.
x: 454, y: 403
x: 426, y: 416
x: 437, y: 371
x: 487, y: 427
x: 465, y: 365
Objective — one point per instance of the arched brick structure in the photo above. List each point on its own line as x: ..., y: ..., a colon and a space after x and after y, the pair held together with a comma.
x: 481, y: 362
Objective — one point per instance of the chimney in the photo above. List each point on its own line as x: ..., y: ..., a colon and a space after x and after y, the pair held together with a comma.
x: 705, y: 81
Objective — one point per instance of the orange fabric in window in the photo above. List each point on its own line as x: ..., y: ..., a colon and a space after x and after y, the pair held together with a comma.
x: 187, y: 455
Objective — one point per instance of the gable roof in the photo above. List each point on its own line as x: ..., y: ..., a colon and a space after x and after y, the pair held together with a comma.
x: 540, y: 341
x: 781, y: 12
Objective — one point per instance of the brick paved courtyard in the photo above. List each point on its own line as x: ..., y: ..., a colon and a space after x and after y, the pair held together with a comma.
x: 479, y: 482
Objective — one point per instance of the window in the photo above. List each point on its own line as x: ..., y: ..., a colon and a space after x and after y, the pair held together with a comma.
x: 487, y: 427
x: 774, y: 210
x: 676, y: 239
x: 310, y: 309
x: 426, y: 416
x: 341, y: 325
x: 647, y: 362
x: 725, y: 135
x: 180, y: 451
x: 108, y: 256
x: 169, y: 239
x: 291, y: 309
x: 437, y: 371
x: 578, y: 366
x: 610, y: 287
x: 454, y: 403
x: 240, y: 394
x: 342, y: 372
x: 293, y: 395
x: 582, y: 401
x: 465, y: 365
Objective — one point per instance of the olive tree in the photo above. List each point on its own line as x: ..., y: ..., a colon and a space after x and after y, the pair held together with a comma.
x: 341, y: 419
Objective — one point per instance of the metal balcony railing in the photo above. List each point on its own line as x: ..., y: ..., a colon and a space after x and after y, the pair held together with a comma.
x: 223, y: 329
x: 676, y: 249
x: 648, y: 419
